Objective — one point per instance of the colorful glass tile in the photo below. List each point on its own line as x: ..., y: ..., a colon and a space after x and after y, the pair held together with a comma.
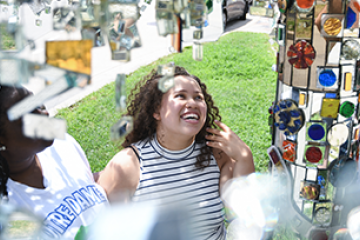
x: 70, y: 55
x: 282, y: 4
x: 309, y: 190
x: 329, y: 108
x: 313, y: 154
x: 348, y: 81
x: 347, y: 109
x: 288, y: 117
x: 338, y: 134
x: 332, y: 26
x: 304, y: 5
x: 301, y: 55
x: 289, y: 151
x: 327, y: 78
x: 350, y: 17
x: 316, y: 132
x: 350, y: 50
x: 302, y: 99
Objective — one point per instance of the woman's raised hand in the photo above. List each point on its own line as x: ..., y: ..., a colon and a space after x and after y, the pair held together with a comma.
x: 227, y: 141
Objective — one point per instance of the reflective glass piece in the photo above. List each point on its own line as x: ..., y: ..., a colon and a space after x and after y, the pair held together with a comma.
x: 166, y: 83
x: 28, y: 104
x: 166, y: 23
x: 71, y: 55
x: 323, y: 215
x: 343, y: 173
x: 197, y: 51
x: 301, y: 55
x: 13, y: 71
x: 350, y: 50
x: 66, y: 18
x: 120, y: 92
x: 120, y: 129
x: 42, y: 127
x: 38, y: 22
x: 198, y: 34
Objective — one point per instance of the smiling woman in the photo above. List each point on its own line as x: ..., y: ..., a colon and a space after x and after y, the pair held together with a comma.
x: 175, y: 154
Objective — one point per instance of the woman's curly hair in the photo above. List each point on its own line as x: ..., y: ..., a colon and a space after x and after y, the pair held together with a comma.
x: 145, y: 99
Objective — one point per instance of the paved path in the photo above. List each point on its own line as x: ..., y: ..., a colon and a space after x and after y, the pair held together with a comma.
x: 104, y: 70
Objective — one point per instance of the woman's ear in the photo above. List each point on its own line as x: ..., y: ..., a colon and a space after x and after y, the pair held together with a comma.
x: 157, y: 116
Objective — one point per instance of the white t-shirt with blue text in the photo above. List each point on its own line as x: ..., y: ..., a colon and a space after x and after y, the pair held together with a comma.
x: 71, y: 198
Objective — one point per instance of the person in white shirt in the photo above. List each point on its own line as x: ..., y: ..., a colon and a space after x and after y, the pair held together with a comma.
x: 52, y: 179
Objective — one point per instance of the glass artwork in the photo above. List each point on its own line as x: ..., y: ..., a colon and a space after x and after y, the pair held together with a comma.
x: 120, y: 92
x: 301, y: 55
x: 42, y: 127
x: 197, y: 51
x: 330, y: 108
x: 338, y: 134
x: 71, y: 55
x: 332, y: 25
x: 304, y: 6
x: 66, y: 18
x: 120, y: 129
x: 288, y: 117
x: 309, y: 190
x: 350, y: 50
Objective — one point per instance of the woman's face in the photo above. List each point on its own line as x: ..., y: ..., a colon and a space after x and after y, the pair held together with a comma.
x: 13, y: 138
x: 183, y: 108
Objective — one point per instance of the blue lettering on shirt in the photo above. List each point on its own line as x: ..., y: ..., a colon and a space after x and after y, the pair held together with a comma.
x: 57, y: 222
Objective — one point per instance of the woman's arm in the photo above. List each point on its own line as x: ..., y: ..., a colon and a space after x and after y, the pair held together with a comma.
x: 121, y: 176
x: 233, y: 156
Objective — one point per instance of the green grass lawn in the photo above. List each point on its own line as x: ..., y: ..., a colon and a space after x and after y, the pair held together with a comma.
x: 6, y: 40
x: 237, y: 72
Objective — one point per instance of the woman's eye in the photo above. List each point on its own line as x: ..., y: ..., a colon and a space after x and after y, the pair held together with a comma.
x: 199, y: 97
x: 180, y: 96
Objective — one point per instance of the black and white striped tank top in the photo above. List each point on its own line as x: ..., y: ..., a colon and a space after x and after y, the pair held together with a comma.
x: 171, y: 176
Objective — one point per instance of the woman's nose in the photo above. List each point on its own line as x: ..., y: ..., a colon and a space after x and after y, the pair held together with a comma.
x: 190, y: 103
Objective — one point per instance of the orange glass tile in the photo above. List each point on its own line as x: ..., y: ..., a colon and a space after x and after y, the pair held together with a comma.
x: 70, y: 55
x: 305, y: 3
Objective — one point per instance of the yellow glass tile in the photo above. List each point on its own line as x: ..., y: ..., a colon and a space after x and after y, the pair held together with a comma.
x: 348, y: 81
x: 302, y: 99
x: 332, y: 26
x: 112, y: 45
x: 70, y: 55
x: 330, y: 108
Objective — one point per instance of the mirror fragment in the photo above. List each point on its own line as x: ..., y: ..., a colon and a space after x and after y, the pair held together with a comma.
x: 66, y: 18
x: 198, y: 34
x: 120, y: 92
x: 197, y: 51
x: 42, y: 127
x: 120, y: 129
